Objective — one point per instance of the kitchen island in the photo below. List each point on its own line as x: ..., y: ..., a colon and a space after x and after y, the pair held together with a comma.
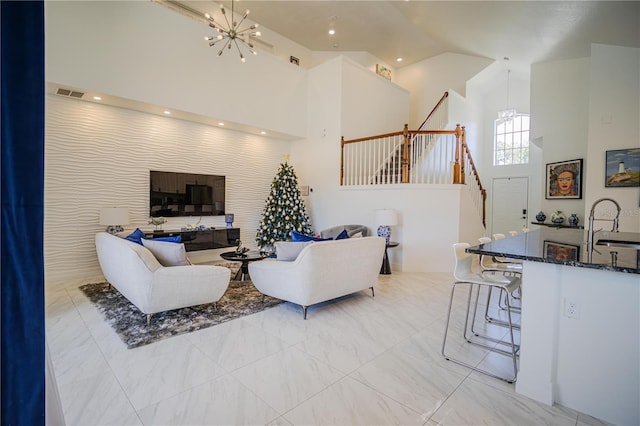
x: 580, y: 336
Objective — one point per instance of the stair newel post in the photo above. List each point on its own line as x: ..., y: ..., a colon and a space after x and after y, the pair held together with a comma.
x: 342, y: 161
x: 456, y: 165
x: 405, y: 154
x: 464, y: 150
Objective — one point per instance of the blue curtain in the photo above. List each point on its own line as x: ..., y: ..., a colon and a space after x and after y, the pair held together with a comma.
x: 22, y: 186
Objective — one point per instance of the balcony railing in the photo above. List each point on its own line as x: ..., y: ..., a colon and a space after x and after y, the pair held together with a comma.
x: 412, y: 156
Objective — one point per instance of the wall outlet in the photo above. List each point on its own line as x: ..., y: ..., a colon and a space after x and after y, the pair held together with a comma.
x: 571, y: 309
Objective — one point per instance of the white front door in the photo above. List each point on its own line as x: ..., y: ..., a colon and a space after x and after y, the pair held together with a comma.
x: 509, y: 205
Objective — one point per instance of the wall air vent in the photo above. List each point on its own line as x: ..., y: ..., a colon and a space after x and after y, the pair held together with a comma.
x: 183, y: 9
x: 71, y: 93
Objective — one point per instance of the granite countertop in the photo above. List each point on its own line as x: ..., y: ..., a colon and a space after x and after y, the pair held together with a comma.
x: 567, y: 247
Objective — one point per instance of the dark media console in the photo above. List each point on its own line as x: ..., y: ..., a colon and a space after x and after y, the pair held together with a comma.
x: 203, y: 240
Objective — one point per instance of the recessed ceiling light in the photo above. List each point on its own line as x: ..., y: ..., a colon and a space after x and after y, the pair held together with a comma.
x: 332, y: 31
x: 97, y: 98
x: 398, y: 59
x: 263, y: 132
x: 167, y: 112
x: 221, y: 124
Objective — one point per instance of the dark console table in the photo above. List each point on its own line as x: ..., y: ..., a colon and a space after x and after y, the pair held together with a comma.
x: 203, y: 240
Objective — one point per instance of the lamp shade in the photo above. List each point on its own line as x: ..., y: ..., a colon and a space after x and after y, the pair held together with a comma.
x: 386, y: 217
x: 114, y: 216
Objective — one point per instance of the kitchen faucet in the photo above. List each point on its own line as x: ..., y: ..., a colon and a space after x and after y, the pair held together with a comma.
x: 591, y: 220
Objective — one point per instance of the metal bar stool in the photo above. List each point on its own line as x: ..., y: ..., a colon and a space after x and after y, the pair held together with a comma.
x: 465, y: 274
x: 491, y: 265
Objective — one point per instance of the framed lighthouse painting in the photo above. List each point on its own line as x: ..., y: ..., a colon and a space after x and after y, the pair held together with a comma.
x: 622, y: 168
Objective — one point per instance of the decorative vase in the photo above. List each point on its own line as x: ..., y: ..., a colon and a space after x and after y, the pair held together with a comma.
x: 558, y: 217
x: 573, y: 220
x: 541, y: 217
x: 385, y: 232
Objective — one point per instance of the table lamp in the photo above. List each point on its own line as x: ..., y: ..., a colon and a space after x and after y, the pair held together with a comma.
x: 386, y: 218
x: 114, y: 218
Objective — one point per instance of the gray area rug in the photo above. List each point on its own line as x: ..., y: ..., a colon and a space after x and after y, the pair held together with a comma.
x: 240, y: 299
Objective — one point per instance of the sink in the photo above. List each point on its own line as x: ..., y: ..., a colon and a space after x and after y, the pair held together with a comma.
x: 618, y: 243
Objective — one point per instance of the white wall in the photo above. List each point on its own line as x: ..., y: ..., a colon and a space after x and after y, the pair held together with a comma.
x: 427, y: 80
x: 148, y: 53
x: 370, y: 104
x: 581, y: 108
x: 318, y: 157
x: 614, y: 123
x: 427, y: 225
x: 339, y: 97
x: 99, y: 156
x: 489, y: 88
x: 365, y: 59
x: 455, y: 73
x: 560, y: 96
x: 348, y: 99
x: 345, y: 99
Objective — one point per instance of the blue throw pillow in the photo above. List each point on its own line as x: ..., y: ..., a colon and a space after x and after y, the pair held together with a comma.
x: 174, y: 239
x: 343, y: 235
x: 297, y: 237
x: 136, y: 236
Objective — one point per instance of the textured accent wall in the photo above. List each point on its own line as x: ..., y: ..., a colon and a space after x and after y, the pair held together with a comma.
x: 99, y: 156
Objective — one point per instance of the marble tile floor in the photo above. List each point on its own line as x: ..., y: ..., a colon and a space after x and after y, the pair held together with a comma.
x: 358, y: 360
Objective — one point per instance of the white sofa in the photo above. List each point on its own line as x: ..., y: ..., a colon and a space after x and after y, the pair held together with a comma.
x: 322, y: 271
x: 134, y: 271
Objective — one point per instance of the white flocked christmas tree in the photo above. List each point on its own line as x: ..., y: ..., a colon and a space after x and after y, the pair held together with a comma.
x: 284, y: 210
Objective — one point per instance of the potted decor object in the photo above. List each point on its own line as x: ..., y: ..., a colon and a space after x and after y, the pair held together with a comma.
x: 157, y: 221
x: 558, y: 217
x: 541, y: 217
x: 573, y: 219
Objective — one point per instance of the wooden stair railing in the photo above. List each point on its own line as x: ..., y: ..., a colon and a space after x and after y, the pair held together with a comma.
x: 400, y: 144
x: 467, y: 159
x: 433, y: 111
x: 390, y: 166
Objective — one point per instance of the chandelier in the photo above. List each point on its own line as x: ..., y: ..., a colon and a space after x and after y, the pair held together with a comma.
x: 509, y: 113
x: 231, y: 33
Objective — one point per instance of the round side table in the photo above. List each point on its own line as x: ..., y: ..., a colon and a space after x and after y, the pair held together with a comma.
x: 245, y: 258
x: 386, y: 267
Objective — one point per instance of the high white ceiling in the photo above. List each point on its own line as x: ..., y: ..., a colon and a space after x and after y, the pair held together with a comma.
x: 525, y: 31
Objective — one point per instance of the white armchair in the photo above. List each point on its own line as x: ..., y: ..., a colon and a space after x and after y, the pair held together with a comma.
x: 322, y: 271
x: 137, y: 275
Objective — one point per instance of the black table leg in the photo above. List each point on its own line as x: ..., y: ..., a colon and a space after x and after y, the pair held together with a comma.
x: 386, y: 267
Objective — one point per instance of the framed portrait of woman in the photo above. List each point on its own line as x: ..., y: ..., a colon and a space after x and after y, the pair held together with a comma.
x: 561, y: 252
x: 564, y: 180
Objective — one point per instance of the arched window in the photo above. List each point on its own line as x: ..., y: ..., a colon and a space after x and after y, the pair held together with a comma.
x: 511, y: 140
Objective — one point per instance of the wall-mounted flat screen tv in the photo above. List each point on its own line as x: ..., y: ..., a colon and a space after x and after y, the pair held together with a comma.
x: 185, y: 194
